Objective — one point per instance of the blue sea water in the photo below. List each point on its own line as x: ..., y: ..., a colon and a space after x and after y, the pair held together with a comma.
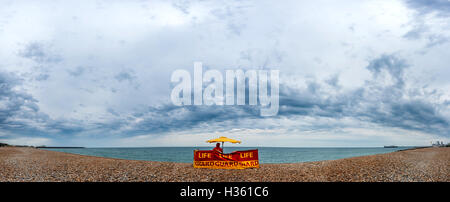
x: 266, y: 154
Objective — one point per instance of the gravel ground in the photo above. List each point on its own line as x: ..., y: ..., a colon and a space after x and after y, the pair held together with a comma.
x: 29, y: 164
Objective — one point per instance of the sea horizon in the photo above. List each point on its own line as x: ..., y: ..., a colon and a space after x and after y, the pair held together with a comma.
x: 212, y: 146
x: 266, y: 154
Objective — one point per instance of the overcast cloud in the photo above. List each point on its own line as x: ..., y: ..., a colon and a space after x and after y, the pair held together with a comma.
x: 97, y: 73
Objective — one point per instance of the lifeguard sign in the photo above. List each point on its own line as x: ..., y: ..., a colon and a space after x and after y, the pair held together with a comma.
x: 234, y: 160
x: 217, y: 160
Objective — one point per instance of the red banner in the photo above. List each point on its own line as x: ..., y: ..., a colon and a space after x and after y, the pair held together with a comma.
x: 234, y: 160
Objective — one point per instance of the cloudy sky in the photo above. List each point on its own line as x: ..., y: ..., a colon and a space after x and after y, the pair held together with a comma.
x: 97, y: 73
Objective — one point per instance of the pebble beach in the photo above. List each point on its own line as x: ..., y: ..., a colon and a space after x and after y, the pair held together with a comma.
x: 25, y: 164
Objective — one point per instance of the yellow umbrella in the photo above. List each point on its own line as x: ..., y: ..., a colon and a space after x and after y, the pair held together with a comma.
x: 223, y: 139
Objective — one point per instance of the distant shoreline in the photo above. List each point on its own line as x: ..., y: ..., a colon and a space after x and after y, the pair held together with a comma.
x: 42, y: 147
x: 22, y: 164
x: 267, y: 154
x: 232, y: 146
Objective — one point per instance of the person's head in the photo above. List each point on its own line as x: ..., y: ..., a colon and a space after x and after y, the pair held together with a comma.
x: 218, y: 145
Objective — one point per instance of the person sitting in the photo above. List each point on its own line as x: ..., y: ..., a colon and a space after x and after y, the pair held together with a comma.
x: 217, y: 148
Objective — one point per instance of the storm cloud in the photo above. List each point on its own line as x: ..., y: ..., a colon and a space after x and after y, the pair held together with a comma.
x: 364, y: 74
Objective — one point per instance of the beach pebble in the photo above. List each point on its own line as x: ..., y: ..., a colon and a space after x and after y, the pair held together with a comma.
x: 21, y: 164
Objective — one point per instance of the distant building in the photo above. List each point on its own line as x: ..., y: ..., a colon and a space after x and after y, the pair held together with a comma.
x: 3, y: 144
x: 438, y: 144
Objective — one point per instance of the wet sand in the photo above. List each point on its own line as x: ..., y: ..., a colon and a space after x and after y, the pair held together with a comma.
x: 29, y: 164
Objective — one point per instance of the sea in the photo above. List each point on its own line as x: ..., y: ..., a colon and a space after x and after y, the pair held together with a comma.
x: 266, y: 154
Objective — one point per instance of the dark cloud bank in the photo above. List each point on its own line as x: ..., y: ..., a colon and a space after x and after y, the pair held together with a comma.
x: 441, y: 7
x: 389, y: 104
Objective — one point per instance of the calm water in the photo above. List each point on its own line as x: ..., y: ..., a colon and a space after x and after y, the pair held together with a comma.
x: 266, y: 154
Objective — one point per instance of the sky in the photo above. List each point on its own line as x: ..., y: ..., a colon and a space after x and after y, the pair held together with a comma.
x: 96, y: 73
